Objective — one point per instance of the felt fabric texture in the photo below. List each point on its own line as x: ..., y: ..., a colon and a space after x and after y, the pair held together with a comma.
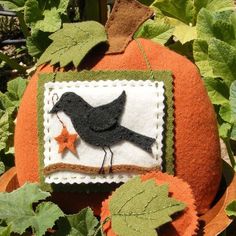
x: 140, y: 93
x: 119, y: 37
x: 184, y: 224
x: 197, y: 148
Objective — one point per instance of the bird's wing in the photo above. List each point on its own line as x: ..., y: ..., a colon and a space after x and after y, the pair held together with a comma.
x: 105, y: 116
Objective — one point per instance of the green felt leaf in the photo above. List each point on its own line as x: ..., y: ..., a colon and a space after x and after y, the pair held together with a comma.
x: 232, y: 100
x: 73, y: 42
x: 218, y: 91
x: 83, y: 223
x: 225, y: 112
x: 222, y: 58
x: 15, y: 89
x: 214, y: 5
x: 224, y: 130
x: 139, y: 208
x: 37, y: 43
x: 182, y: 10
x: 231, y: 209
x: 2, y: 168
x: 17, y: 211
x: 158, y: 31
x: 200, y: 53
x: 4, y: 131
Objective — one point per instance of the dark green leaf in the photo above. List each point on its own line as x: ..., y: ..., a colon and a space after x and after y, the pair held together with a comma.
x: 217, y: 90
x: 158, y: 31
x: 73, y: 42
x: 138, y: 208
x: 182, y: 10
x: 200, y: 53
x: 231, y: 209
x: 83, y: 223
x: 37, y: 43
x: 222, y: 58
x: 16, y: 210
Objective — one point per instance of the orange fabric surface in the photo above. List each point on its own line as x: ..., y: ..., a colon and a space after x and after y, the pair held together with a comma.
x: 186, y: 224
x: 197, y: 151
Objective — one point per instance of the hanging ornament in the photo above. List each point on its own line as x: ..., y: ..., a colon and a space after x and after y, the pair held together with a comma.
x: 65, y: 140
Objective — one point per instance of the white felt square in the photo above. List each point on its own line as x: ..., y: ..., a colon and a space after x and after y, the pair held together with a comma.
x: 143, y: 113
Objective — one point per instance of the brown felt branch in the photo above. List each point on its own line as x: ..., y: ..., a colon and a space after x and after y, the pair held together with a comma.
x: 132, y: 169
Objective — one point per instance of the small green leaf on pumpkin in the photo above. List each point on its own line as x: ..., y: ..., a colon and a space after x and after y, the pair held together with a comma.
x: 16, y: 209
x: 231, y: 209
x: 73, y: 42
x: 139, y: 208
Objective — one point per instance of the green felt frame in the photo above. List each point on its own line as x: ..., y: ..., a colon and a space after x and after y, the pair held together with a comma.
x: 165, y: 76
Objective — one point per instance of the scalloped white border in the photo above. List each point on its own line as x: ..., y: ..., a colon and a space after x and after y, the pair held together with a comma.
x: 59, y: 87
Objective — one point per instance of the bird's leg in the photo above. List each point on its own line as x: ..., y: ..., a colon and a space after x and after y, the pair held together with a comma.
x: 101, y: 171
x: 111, y: 160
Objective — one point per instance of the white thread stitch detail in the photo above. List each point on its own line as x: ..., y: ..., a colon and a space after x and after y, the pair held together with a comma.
x: 144, y: 113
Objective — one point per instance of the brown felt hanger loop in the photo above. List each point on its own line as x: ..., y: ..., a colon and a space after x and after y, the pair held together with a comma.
x: 125, y: 19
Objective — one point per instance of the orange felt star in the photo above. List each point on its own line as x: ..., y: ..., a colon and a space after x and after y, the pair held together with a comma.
x: 66, y: 140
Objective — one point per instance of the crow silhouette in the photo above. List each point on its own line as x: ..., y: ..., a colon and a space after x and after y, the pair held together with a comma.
x: 100, y: 126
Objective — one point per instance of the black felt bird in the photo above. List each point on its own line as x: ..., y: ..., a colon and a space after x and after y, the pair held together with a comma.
x: 100, y: 126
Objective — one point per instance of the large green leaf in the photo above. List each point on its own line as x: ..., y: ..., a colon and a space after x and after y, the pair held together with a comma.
x: 218, y: 25
x: 138, y: 208
x: 83, y: 224
x: 185, y: 33
x: 222, y: 58
x: 158, y: 31
x: 6, y: 104
x: 232, y: 100
x: 4, y: 131
x: 73, y: 42
x: 200, y: 53
x: 214, y: 5
x: 217, y: 90
x: 182, y: 10
x: 16, y: 209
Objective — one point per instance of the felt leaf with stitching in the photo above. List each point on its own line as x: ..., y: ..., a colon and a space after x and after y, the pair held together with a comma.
x: 73, y: 42
x: 16, y: 209
x: 139, y: 208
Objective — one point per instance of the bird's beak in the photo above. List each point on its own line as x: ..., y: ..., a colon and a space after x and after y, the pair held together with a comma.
x: 57, y: 107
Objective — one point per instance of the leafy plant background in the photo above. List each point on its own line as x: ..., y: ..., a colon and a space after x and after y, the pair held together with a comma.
x: 202, y: 30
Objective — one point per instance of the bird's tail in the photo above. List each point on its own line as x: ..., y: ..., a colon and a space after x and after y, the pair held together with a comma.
x: 140, y: 140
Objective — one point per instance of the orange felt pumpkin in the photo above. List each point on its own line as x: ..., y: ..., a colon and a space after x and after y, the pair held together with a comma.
x: 197, y: 150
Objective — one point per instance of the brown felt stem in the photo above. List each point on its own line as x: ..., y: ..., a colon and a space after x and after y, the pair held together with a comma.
x: 125, y: 19
x: 131, y: 169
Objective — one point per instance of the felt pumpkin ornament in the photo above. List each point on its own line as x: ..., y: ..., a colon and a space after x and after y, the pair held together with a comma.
x: 137, y: 107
